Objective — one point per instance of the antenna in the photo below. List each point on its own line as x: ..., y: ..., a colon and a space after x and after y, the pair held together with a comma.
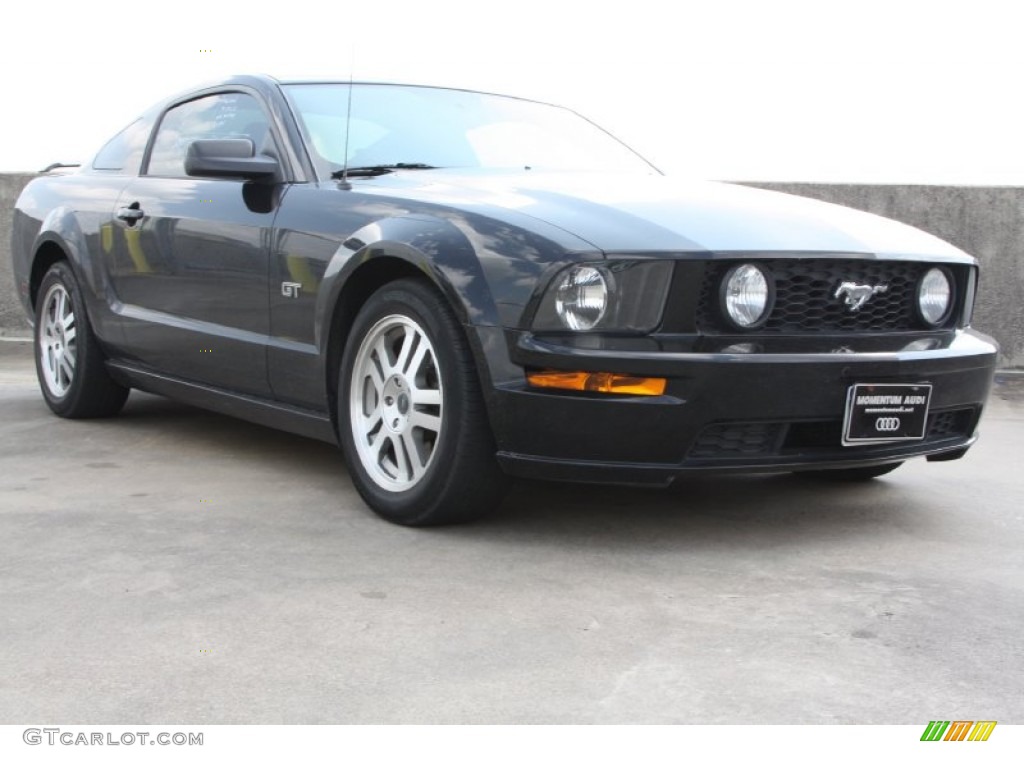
x: 348, y: 119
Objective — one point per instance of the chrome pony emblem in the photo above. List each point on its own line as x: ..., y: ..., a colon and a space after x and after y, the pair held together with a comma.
x: 856, y: 294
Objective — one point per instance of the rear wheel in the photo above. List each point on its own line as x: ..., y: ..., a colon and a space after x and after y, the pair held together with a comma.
x: 411, y: 415
x: 852, y: 475
x: 69, y: 361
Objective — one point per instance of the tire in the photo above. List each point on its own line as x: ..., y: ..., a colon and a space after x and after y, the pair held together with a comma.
x: 852, y: 475
x: 69, y: 361
x: 411, y: 415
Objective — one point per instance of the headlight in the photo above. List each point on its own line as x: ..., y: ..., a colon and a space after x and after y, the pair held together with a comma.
x: 618, y: 295
x: 747, y: 295
x: 934, y: 296
x: 581, y: 298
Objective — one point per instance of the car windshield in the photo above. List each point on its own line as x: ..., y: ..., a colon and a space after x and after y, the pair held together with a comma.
x: 437, y: 127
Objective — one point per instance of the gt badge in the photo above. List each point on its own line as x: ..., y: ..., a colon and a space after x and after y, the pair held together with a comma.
x: 856, y: 294
x: 291, y: 290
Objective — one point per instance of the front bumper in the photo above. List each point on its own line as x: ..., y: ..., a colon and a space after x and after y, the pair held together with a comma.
x: 750, y: 411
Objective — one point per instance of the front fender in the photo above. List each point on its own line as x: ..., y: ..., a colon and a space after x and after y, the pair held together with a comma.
x: 431, y: 245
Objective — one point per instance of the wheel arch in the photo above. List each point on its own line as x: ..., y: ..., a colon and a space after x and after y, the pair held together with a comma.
x: 429, y: 249
x: 48, y: 253
x: 361, y: 284
x: 60, y: 238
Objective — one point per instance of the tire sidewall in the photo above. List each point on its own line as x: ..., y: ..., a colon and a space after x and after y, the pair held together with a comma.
x: 412, y: 506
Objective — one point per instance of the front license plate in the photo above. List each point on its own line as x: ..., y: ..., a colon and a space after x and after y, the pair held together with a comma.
x: 885, y: 413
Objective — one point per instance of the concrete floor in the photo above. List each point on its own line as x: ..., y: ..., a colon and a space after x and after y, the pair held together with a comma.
x: 176, y: 566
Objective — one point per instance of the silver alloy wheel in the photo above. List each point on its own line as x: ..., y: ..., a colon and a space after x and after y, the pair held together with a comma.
x: 57, y: 346
x: 395, y: 403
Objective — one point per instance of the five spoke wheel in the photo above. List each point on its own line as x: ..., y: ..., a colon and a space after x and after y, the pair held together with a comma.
x: 395, y: 402
x: 57, y: 345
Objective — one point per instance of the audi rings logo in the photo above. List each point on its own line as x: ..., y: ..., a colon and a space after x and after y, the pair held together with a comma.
x: 887, y: 424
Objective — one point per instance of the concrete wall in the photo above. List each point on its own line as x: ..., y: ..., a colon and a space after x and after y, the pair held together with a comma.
x: 12, y: 316
x: 987, y: 222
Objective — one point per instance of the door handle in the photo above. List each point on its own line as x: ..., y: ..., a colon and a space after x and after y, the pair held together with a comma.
x: 130, y: 214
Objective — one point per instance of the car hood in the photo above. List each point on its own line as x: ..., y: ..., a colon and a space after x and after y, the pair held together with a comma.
x: 636, y: 213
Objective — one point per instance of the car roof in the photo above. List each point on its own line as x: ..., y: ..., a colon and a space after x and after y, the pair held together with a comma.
x: 265, y: 81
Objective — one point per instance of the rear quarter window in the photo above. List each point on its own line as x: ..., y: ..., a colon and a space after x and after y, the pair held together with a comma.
x: 124, y: 152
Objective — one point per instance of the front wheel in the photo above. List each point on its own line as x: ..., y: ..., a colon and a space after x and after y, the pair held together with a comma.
x: 852, y: 475
x: 411, y: 415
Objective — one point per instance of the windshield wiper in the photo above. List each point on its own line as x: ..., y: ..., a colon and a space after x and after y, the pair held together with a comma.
x: 380, y: 170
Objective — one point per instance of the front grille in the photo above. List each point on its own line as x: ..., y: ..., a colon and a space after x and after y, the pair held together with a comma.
x: 756, y: 439
x: 805, y: 299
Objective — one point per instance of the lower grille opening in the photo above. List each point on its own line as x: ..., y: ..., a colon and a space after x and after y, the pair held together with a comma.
x: 737, y: 440
x: 950, y: 424
x: 740, y: 440
x: 814, y: 434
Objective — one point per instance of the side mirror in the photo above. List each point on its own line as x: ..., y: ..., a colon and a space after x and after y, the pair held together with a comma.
x: 228, y: 159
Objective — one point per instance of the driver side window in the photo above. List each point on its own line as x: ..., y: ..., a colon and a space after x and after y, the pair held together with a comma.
x: 220, y: 116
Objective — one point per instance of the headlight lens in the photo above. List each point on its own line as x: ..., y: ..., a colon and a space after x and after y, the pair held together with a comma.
x: 934, y: 296
x: 581, y: 298
x: 746, y: 295
x: 617, y: 295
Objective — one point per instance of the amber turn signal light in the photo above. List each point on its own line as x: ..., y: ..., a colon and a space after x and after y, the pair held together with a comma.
x: 612, y: 383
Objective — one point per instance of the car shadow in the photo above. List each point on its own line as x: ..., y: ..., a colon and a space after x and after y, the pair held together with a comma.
x: 177, y: 421
x: 695, y: 513
x: 758, y: 511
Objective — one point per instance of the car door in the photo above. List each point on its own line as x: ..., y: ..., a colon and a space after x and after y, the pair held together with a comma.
x: 190, y: 269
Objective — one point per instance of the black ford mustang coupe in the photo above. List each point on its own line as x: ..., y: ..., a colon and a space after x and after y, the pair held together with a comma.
x: 457, y: 286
